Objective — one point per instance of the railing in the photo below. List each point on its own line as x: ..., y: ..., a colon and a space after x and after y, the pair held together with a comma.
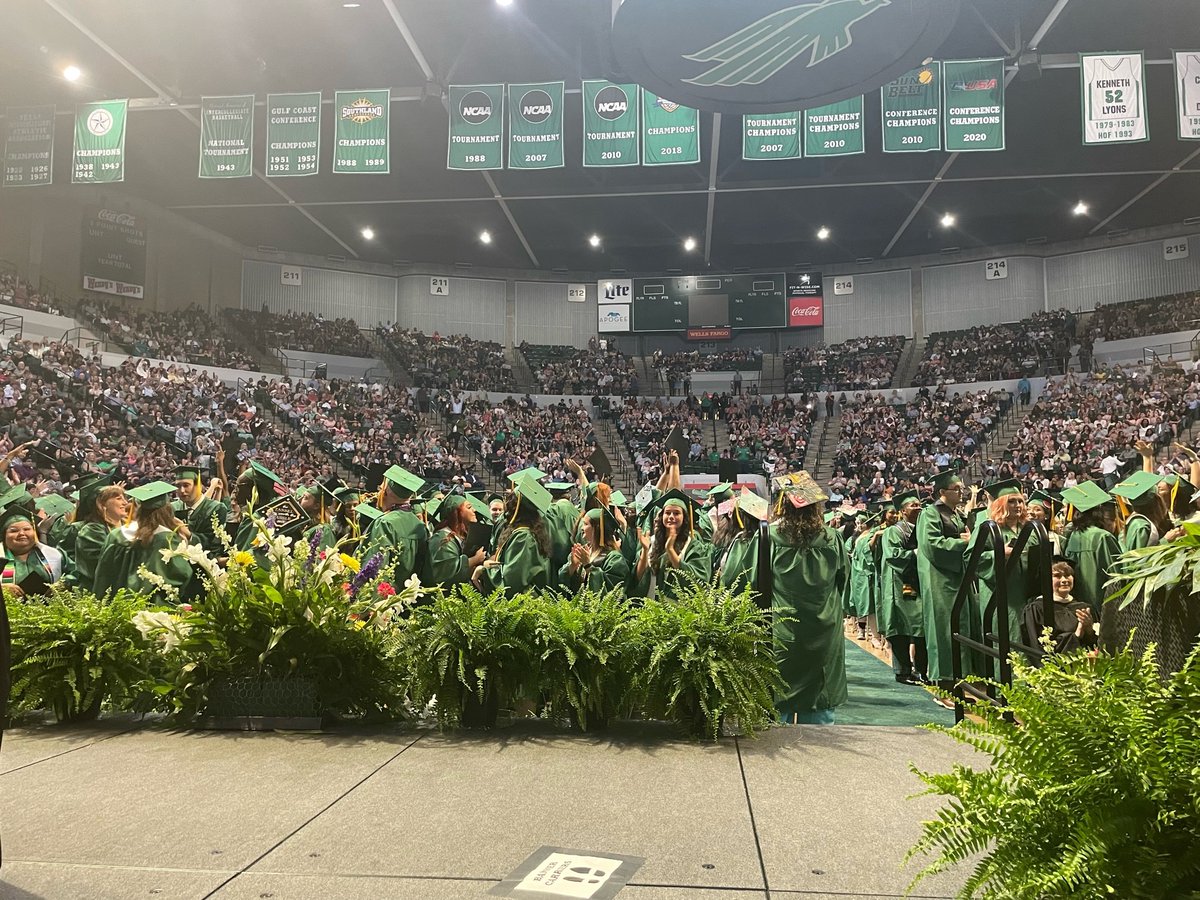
x: 74, y: 337
x: 997, y: 644
x: 1153, y: 355
x: 12, y: 326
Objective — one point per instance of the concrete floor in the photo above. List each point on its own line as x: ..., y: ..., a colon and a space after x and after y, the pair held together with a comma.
x: 120, y: 810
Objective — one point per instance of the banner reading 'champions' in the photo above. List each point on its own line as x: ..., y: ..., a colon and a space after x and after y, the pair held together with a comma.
x: 771, y: 136
x: 974, y: 94
x: 670, y: 132
x: 99, y: 155
x: 835, y: 129
x: 611, y: 116
x: 226, y: 137
x: 476, y: 127
x: 293, y: 134
x: 28, y: 146
x: 360, y: 134
x: 912, y: 111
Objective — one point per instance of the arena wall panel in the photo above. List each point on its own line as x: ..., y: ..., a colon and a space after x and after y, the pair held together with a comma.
x: 881, y: 305
x: 962, y: 296
x: 1083, y: 281
x: 474, y: 307
x: 543, y: 315
x: 368, y: 299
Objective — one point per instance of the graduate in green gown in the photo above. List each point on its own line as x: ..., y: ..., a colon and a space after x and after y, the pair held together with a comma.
x: 597, y: 562
x: 673, y: 551
x: 256, y: 488
x: 198, y: 510
x: 29, y: 565
x: 64, y: 532
x: 140, y: 543
x: 1092, y: 547
x: 521, y: 560
x: 808, y: 571
x: 941, y: 559
x: 1147, y: 519
x: 737, y: 566
x: 720, y: 512
x: 324, y: 511
x: 902, y: 615
x: 399, y: 534
x: 562, y: 522
x: 100, y: 511
x: 862, y: 594
x: 449, y: 562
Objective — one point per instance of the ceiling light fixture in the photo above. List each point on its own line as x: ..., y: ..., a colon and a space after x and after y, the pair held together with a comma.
x: 594, y: 240
x: 1080, y: 209
x: 689, y: 244
x: 351, y: 5
x: 368, y: 234
x: 71, y: 73
x: 485, y: 237
x: 948, y: 220
x: 823, y: 234
x: 504, y: 2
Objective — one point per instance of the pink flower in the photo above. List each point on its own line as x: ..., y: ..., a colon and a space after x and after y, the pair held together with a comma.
x: 185, y: 607
x: 386, y: 589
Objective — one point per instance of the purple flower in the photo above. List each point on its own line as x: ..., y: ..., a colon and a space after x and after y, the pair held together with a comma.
x: 368, y: 572
x: 314, y: 547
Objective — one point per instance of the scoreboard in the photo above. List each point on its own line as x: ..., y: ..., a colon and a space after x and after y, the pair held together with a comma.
x: 774, y: 300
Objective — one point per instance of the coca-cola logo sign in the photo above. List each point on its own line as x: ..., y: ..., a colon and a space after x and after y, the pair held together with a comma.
x: 117, y: 218
x: 807, y: 311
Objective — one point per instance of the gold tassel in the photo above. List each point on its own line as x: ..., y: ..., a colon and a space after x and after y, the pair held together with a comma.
x: 516, y: 509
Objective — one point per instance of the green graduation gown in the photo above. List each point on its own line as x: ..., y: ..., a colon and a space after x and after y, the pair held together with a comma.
x: 607, y: 572
x: 1139, y: 532
x: 89, y: 542
x: 447, y: 564
x: 1018, y: 584
x: 940, y: 562
x: 50, y: 562
x: 327, y: 539
x: 695, y: 560
x: 120, y: 560
x: 562, y: 524
x: 738, y: 567
x: 860, y: 575
x: 200, y: 524
x: 403, y: 540
x: 1092, y: 551
x: 522, y: 564
x: 900, y: 614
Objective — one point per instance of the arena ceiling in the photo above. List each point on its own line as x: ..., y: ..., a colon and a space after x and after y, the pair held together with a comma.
x: 742, y: 214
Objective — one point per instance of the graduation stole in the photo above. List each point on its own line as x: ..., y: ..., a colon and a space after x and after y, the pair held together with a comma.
x: 9, y: 573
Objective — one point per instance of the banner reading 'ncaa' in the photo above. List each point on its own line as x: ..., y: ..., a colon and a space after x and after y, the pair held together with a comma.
x: 611, y: 116
x: 535, y: 119
x: 99, y: 142
x: 360, y: 133
x: 226, y: 137
x: 476, y: 127
x: 806, y: 300
x: 974, y: 94
x: 912, y: 111
x: 670, y: 132
x: 28, y: 146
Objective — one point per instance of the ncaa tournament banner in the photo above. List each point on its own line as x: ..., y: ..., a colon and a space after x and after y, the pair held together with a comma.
x: 28, y: 146
x: 476, y: 127
x: 360, y: 133
x: 835, y: 129
x: 226, y: 136
x: 670, y: 132
x: 535, y: 120
x: 1113, y: 104
x: 99, y: 155
x: 912, y: 111
x: 806, y: 300
x: 771, y: 136
x: 113, y: 258
x: 611, y: 114
x: 974, y: 95
x: 1187, y: 93
x: 293, y: 134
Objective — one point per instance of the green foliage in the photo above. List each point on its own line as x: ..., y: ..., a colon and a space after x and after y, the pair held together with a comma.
x: 1095, y: 793
x: 73, y: 653
x: 1142, y: 573
x: 708, y: 654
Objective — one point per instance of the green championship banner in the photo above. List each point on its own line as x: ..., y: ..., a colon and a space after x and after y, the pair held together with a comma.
x: 670, y: 132
x: 535, y: 120
x: 293, y: 134
x: 227, y: 137
x: 771, y: 136
x: 99, y: 142
x: 28, y: 146
x: 974, y: 108
x: 360, y: 133
x: 912, y: 111
x: 1187, y: 93
x: 1113, y: 104
x: 611, y: 113
x: 835, y: 129
x: 476, y: 127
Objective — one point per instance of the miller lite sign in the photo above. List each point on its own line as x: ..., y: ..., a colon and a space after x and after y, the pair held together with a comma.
x: 806, y: 300
x: 615, y: 290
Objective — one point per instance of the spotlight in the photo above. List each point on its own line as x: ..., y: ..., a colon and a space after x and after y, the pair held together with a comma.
x: 594, y: 240
x: 1080, y: 209
x: 504, y: 2
x: 823, y: 234
x: 689, y: 244
x: 485, y: 237
x: 948, y: 220
x: 71, y: 73
x: 351, y: 5
x: 368, y: 234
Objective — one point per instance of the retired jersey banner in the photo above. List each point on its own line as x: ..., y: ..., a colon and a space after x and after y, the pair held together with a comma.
x: 771, y: 136
x: 28, y: 146
x: 835, y: 129
x: 227, y: 137
x: 1114, y: 98
x: 974, y: 95
x: 476, y: 127
x: 611, y: 114
x: 670, y: 132
x: 1187, y: 93
x: 912, y: 111
x: 99, y: 142
x: 535, y: 120
x: 360, y: 135
x: 293, y: 134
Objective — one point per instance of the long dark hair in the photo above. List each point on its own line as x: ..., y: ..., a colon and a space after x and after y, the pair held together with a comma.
x: 526, y: 516
x: 1103, y: 516
x: 801, y: 525
x: 659, y: 545
x: 1151, y: 506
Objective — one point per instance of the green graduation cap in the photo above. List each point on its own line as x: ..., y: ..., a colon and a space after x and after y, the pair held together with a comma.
x: 604, y: 523
x: 402, y: 482
x: 530, y: 472
x: 16, y: 503
x: 432, y: 507
x: 347, y: 494
x: 89, y: 485
x: 264, y: 479
x: 368, y: 512
x: 1003, y: 488
x: 152, y: 496
x: 644, y: 498
x: 829, y: 516
x: 451, y: 502
x: 619, y: 499
x: 1086, y: 495
x: 1137, y: 487
x: 187, y: 472
x: 944, y: 480
x: 719, y: 492
x: 1182, y: 490
x: 54, y: 505
x: 904, y: 498
x: 674, y: 497
x: 559, y: 487
x: 799, y: 489
x: 1041, y: 498
x: 530, y: 490
x: 751, y: 504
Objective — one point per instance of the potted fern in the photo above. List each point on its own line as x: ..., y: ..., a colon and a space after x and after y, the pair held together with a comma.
x: 1093, y: 794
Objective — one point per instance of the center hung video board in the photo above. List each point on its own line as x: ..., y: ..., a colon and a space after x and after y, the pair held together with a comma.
x: 726, y: 303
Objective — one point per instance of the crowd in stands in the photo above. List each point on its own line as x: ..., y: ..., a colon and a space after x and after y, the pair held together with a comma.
x: 886, y: 444
x: 16, y: 291
x: 300, y: 332
x: 188, y: 336
x: 595, y: 371
x: 454, y: 362
x: 740, y: 359
x: 517, y: 433
x: 1039, y: 343
x: 645, y: 424
x: 772, y: 432
x: 1086, y: 426
x: 856, y: 364
x: 1138, y: 318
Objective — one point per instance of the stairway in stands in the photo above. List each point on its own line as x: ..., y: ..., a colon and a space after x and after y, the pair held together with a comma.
x: 400, y: 375
x: 997, y: 441
x: 772, y: 380
x: 823, y: 447
x: 646, y: 375
x: 436, y: 419
x: 910, y: 358
x: 625, y: 475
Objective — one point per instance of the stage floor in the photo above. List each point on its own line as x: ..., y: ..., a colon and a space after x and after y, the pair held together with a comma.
x: 121, y: 810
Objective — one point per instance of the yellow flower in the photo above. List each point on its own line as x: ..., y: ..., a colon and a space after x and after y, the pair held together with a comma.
x: 243, y: 558
x: 350, y: 562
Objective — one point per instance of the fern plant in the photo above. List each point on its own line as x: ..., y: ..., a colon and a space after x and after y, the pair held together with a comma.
x: 706, y: 655
x: 1096, y: 793
x: 72, y: 654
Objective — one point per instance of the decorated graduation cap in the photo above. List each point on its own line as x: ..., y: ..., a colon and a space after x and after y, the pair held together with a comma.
x: 1085, y: 496
x: 152, y: 496
x: 54, y: 505
x: 800, y: 490
x: 530, y: 490
x: 750, y: 504
x: 529, y: 472
x: 1137, y: 487
x: 945, y: 479
x: 604, y: 524
x: 644, y: 497
x: 368, y: 512
x: 402, y: 482
x: 1003, y: 488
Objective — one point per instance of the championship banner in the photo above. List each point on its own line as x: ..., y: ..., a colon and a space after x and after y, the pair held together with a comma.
x: 293, y: 134
x: 835, y: 129
x: 670, y: 132
x: 360, y: 135
x: 535, y: 120
x: 611, y: 113
x: 1113, y: 104
x: 113, y: 259
x: 28, y: 146
x: 912, y: 111
x: 99, y: 142
x: 1187, y: 93
x: 227, y: 137
x: 771, y: 136
x: 974, y: 95
x: 476, y: 127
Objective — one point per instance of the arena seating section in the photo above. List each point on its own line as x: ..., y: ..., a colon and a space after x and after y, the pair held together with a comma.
x: 1031, y: 346
x: 856, y: 364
